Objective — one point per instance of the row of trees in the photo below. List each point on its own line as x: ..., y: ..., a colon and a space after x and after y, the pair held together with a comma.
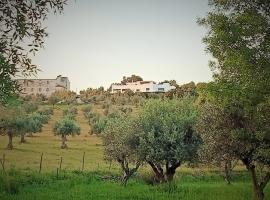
x: 23, y: 119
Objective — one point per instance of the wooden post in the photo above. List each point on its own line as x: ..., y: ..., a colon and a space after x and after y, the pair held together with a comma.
x: 40, y: 164
x: 83, y: 161
x: 3, y: 162
x: 60, y: 167
x: 110, y: 166
x: 57, y: 171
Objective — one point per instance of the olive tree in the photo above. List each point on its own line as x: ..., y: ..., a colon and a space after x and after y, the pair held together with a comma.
x: 11, y: 119
x: 31, y: 125
x: 238, y: 38
x: 64, y: 128
x: 167, y: 136
x: 121, y: 143
x: 53, y: 99
x: 214, y: 126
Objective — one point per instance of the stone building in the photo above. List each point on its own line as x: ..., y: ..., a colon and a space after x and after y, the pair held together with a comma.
x: 43, y: 86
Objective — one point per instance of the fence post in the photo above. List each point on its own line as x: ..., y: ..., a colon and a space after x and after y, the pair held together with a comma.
x: 110, y: 166
x: 3, y: 162
x: 57, y: 171
x: 83, y: 161
x: 40, y: 164
x: 60, y: 167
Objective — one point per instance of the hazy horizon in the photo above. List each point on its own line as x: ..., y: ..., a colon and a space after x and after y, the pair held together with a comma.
x: 97, y: 42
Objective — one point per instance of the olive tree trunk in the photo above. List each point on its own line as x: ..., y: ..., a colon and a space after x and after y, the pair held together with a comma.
x: 158, y: 171
x: 227, y: 172
x: 10, y: 137
x: 127, y: 171
x: 258, y: 185
x: 168, y: 176
x: 22, y: 138
x: 64, y: 139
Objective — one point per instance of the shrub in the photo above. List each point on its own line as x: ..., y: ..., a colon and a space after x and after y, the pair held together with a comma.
x: 87, y: 109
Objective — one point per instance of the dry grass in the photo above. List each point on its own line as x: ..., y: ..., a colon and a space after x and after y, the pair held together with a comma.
x: 27, y: 156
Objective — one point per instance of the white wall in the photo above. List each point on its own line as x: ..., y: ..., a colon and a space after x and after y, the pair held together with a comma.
x: 141, y: 86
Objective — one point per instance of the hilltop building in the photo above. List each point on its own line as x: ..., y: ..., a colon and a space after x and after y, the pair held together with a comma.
x: 43, y: 86
x: 142, y: 86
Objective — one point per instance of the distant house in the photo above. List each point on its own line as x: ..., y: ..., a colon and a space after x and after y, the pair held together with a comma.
x: 142, y: 86
x: 43, y: 86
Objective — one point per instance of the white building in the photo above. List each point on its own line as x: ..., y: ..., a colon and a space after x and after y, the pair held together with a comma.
x: 142, y: 86
x: 43, y: 86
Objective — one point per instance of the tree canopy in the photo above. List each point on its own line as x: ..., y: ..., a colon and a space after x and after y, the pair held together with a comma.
x: 238, y: 38
x: 167, y: 136
x: 22, y: 33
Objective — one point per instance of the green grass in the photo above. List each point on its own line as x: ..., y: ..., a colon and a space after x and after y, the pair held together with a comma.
x: 71, y: 185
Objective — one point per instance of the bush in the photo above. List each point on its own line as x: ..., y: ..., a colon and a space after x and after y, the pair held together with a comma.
x: 40, y: 117
x: 87, y: 109
x: 99, y: 125
x: 46, y: 111
x: 71, y: 110
x: 10, y: 185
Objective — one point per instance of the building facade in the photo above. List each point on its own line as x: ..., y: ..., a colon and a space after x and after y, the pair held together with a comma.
x: 43, y: 86
x: 142, y: 86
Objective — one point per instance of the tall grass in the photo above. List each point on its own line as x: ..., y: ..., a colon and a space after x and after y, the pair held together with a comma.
x: 100, y: 185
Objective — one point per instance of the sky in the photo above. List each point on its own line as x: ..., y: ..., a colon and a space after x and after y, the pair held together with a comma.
x: 97, y: 42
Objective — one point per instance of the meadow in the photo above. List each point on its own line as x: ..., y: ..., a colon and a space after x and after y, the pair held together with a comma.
x: 99, y: 179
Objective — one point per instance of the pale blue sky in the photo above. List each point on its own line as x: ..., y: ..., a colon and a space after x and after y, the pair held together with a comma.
x: 97, y: 42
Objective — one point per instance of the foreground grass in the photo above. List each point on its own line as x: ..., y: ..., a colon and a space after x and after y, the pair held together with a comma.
x: 100, y: 185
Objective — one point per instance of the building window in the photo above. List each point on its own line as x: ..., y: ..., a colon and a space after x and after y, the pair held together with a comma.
x: 32, y: 89
x: 161, y: 89
x: 47, y: 89
x: 39, y: 89
x: 24, y: 89
x: 138, y: 90
x: 48, y: 82
x: 147, y: 89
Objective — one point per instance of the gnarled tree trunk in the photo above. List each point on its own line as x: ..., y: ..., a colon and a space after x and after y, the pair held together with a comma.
x: 127, y: 172
x: 10, y: 137
x: 159, y: 174
x: 22, y: 138
x: 227, y: 172
x: 64, y: 139
x: 170, y: 170
x: 258, y: 191
x: 258, y: 186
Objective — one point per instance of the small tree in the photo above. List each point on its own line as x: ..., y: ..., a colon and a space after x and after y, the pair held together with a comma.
x: 30, y: 106
x: 64, y: 128
x: 167, y: 137
x: 121, y: 144
x: 214, y: 126
x: 11, y: 119
x: 31, y: 125
x: 53, y: 99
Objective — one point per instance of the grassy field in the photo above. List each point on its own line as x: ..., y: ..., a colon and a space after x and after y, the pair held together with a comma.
x: 27, y: 156
x: 99, y: 185
x: 99, y: 179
